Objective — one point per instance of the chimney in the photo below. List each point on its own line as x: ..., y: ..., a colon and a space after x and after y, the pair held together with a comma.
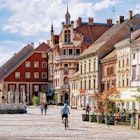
x: 109, y: 21
x: 79, y: 21
x: 32, y: 44
x: 121, y: 19
x: 130, y: 15
x: 90, y: 21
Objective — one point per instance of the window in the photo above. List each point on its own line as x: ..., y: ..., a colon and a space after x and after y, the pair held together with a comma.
x: 77, y: 67
x: 81, y: 84
x: 70, y: 52
x: 36, y: 75
x: 66, y: 82
x: 81, y: 68
x: 94, y: 84
x: 17, y: 74
x: 89, y: 84
x: 134, y: 55
x: 89, y: 67
x: 28, y: 75
x: 133, y: 72
x: 27, y: 64
x: 127, y: 80
x: 44, y: 75
x: 123, y: 81
x: 44, y: 64
x: 111, y: 70
x: 12, y: 87
x: 66, y: 68
x: 44, y: 88
x: 44, y: 55
x: 85, y: 68
x: 64, y: 51
x: 127, y: 62
x: 85, y: 84
x: 36, y: 88
x: 77, y: 51
x: 108, y: 71
x: 36, y: 64
x: 94, y: 66
x: 67, y: 37
x: 119, y: 65
x: 123, y: 63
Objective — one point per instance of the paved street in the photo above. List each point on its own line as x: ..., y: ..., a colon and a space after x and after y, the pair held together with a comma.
x: 33, y: 126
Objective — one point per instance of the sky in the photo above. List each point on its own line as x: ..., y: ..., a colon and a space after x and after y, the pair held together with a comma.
x: 25, y: 21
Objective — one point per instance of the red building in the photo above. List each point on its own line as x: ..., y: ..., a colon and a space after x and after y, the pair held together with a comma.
x: 26, y: 71
x: 108, y: 79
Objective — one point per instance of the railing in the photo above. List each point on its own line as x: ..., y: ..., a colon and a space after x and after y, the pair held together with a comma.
x: 66, y: 57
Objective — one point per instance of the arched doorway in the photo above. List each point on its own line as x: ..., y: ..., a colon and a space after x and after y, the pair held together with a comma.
x: 66, y: 98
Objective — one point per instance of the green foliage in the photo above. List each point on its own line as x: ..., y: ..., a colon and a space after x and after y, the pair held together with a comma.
x: 35, y: 100
x: 55, y: 97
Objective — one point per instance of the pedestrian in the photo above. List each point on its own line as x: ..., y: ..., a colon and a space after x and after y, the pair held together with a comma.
x: 64, y: 112
x: 123, y: 114
x: 133, y: 118
x: 45, y: 107
x: 41, y: 108
x: 87, y: 108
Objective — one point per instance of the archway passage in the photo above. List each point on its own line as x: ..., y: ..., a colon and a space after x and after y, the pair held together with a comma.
x: 66, y: 98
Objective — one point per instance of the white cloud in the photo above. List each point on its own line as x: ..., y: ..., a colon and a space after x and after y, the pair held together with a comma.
x: 31, y: 17
x: 103, y: 4
x: 8, y: 48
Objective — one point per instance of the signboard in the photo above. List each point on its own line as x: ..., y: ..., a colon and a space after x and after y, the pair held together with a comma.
x: 82, y: 91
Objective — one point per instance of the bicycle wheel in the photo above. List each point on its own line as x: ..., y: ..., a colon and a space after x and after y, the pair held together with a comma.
x: 65, y: 123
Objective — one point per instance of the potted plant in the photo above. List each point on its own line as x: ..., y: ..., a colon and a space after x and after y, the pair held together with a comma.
x: 99, y: 111
x: 92, y: 117
x: 109, y: 105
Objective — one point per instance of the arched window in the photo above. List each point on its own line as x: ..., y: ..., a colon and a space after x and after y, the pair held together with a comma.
x: 66, y: 81
x: 67, y: 36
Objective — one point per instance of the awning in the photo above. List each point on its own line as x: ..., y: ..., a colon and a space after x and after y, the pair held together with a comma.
x: 128, y: 95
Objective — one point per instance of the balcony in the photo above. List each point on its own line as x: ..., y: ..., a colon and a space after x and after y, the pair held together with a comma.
x: 66, y: 57
x: 64, y: 87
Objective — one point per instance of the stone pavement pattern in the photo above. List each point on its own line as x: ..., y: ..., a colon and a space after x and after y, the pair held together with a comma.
x: 33, y: 126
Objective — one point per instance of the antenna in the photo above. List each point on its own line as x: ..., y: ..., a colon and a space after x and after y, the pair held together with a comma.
x: 113, y: 9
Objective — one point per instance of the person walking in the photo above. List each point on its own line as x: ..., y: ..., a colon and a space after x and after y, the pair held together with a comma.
x: 64, y: 112
x: 45, y: 107
x: 41, y: 108
x: 88, y: 109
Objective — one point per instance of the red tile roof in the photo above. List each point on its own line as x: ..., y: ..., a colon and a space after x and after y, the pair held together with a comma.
x: 116, y: 33
x: 42, y: 47
x: 13, y: 61
x: 92, y: 32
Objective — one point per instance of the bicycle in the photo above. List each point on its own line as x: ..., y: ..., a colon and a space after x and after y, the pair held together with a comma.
x: 65, y: 123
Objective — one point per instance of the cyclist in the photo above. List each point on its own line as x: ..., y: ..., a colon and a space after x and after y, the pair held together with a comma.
x: 65, y: 111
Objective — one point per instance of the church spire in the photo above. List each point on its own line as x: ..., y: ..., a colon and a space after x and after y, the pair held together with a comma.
x: 52, y: 27
x: 67, y: 17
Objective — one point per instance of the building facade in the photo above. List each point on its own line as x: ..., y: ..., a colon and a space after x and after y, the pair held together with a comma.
x: 99, y: 49
x: 65, y: 49
x: 26, y: 72
x: 108, y: 66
